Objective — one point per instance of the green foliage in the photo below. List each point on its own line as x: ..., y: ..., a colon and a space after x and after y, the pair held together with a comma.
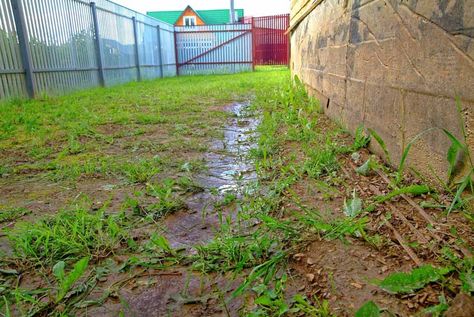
x: 10, y: 214
x: 401, y: 166
x: 141, y: 171
x: 369, y: 309
x: 320, y: 162
x: 353, y: 207
x: 459, y: 150
x: 234, y: 252
x: 380, y: 141
x: 361, y: 139
x: 67, y: 281
x: 464, y: 267
x: 68, y: 235
x: 370, y: 165
x: 265, y: 272
x: 402, y: 283
x: 415, y: 190
x: 437, y: 310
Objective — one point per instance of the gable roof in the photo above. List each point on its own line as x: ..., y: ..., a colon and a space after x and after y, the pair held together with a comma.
x: 221, y: 16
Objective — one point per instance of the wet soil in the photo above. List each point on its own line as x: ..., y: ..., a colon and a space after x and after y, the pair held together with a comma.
x: 344, y: 272
x: 229, y: 170
x: 341, y: 272
x: 180, y: 291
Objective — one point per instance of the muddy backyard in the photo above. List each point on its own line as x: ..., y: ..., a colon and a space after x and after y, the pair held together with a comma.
x: 217, y: 196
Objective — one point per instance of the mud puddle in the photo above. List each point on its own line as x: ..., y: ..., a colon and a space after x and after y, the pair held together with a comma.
x: 229, y: 170
x: 182, y: 292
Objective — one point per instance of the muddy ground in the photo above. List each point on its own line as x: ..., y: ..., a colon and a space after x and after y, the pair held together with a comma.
x: 217, y: 179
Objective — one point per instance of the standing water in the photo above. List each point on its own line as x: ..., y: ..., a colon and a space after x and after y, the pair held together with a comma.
x: 229, y: 170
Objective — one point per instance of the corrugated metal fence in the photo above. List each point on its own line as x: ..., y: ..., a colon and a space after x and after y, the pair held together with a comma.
x: 63, y: 45
x: 271, y: 41
x: 214, y: 49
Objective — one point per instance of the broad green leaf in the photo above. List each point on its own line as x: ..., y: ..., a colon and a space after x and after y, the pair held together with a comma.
x: 76, y: 273
x: 58, y: 270
x: 369, y: 309
x: 354, y: 206
x: 408, y: 282
x: 163, y: 243
x: 365, y: 168
x: 412, y: 189
x: 264, y: 300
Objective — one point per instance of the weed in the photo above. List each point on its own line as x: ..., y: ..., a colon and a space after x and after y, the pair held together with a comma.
x: 65, y: 282
x: 141, y: 171
x: 167, y: 200
x: 412, y: 189
x: 320, y: 162
x: 367, y: 167
x: 369, y: 309
x: 11, y: 214
x: 401, y: 283
x: 68, y: 235
x: 459, y: 150
x: 301, y: 305
x: 380, y: 141
x: 437, y: 310
x: 406, y: 150
x: 361, y: 140
x: 354, y: 206
x: 4, y: 171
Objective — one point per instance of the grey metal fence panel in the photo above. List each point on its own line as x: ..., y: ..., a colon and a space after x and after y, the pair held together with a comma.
x: 61, y: 41
x: 66, y: 44
x: 167, y: 36
x: 118, y: 47
x: 214, y: 49
x: 12, y: 79
x: 149, y: 52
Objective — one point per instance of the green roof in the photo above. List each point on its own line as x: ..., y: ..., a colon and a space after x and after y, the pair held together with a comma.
x: 209, y: 16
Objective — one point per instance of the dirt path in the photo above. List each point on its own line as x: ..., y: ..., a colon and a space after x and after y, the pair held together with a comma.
x: 261, y: 209
x: 182, y: 291
x: 228, y: 171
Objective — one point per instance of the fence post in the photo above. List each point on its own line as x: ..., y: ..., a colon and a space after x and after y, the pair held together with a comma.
x: 176, y: 55
x: 23, y: 40
x: 98, y: 48
x: 137, y: 57
x: 160, y: 56
x: 253, y: 44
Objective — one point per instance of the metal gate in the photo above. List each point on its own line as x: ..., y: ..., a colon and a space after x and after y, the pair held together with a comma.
x: 271, y: 41
x: 213, y: 49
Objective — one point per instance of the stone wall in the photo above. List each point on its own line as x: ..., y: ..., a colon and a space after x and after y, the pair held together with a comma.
x: 393, y: 66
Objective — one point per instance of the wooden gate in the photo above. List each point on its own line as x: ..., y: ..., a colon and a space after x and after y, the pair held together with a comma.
x: 213, y: 49
x: 271, y: 42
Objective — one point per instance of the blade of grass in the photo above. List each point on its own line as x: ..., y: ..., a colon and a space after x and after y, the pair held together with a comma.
x: 382, y: 144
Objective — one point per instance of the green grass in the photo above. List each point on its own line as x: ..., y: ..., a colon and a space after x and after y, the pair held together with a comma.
x: 145, y: 142
x: 68, y: 235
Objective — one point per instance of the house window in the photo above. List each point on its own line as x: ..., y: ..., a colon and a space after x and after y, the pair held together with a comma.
x: 190, y: 21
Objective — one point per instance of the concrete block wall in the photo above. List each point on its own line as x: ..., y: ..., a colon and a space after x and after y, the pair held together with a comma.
x: 393, y: 66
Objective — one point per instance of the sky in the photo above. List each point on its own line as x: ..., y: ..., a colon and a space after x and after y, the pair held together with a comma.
x: 251, y: 7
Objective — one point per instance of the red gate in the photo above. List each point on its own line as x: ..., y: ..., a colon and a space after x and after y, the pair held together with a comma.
x: 271, y: 43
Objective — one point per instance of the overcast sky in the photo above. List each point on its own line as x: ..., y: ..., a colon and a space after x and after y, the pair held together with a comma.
x: 251, y: 7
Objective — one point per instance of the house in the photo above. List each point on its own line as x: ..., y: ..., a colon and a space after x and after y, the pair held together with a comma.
x: 191, y: 17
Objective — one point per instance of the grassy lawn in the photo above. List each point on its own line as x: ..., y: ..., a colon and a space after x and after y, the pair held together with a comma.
x: 122, y: 136
x: 139, y: 200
